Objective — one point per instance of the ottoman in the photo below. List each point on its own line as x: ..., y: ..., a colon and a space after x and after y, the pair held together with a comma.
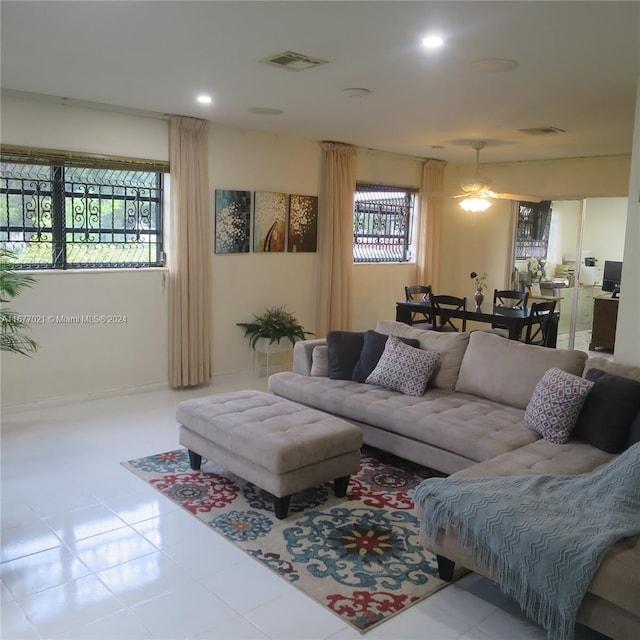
x: 281, y: 446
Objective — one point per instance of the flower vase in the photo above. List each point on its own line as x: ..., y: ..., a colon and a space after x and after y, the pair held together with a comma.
x: 478, y: 296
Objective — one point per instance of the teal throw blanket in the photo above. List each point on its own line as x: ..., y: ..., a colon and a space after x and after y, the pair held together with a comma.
x: 542, y: 537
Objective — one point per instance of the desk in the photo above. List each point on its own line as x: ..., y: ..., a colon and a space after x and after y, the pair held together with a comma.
x: 515, y: 320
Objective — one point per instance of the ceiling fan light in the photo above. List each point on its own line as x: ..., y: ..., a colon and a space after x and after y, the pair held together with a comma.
x: 475, y: 204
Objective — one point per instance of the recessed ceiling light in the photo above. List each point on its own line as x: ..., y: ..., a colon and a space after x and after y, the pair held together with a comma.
x: 356, y: 92
x: 204, y: 99
x: 432, y: 41
x: 265, y: 111
x: 494, y: 65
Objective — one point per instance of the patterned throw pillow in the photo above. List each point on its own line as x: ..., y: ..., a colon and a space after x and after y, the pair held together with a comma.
x: 555, y: 404
x: 403, y: 368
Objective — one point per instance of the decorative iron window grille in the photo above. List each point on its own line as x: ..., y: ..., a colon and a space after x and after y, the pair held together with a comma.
x: 54, y: 216
x: 532, y: 235
x: 382, y: 223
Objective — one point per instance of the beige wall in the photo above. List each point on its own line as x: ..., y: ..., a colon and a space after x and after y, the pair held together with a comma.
x: 76, y: 360
x: 627, y: 348
x: 482, y: 241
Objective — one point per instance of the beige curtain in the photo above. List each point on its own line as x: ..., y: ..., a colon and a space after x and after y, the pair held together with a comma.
x: 190, y: 254
x: 335, y: 237
x: 430, y: 228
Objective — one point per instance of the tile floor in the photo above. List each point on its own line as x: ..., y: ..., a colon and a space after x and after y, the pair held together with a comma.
x: 90, y: 551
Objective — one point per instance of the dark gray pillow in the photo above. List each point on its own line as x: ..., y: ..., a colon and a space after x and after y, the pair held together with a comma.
x: 343, y: 350
x: 608, y: 412
x: 372, y: 350
x: 634, y: 432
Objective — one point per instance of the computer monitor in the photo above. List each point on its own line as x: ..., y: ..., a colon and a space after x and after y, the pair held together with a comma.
x: 611, y: 277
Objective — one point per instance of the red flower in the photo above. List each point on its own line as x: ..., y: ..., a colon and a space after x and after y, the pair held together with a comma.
x: 474, y: 274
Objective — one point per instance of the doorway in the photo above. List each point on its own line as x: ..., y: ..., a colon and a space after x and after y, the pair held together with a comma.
x: 582, y: 236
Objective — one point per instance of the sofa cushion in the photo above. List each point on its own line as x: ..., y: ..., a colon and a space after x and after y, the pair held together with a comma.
x: 555, y: 404
x: 608, y: 412
x: 344, y: 349
x: 320, y: 361
x: 520, y: 367
x: 403, y: 368
x: 450, y: 346
x: 372, y: 350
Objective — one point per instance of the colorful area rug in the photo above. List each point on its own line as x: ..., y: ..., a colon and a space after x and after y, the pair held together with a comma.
x: 359, y: 556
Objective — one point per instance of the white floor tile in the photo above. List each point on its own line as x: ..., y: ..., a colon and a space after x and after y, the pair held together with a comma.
x: 112, y: 548
x: 39, y: 571
x: 14, y: 624
x: 237, y: 628
x: 84, y: 523
x: 295, y: 617
x: 183, y: 613
x: 24, y: 540
x: 247, y: 585
x: 119, y: 625
x: 128, y: 564
x: 145, y: 578
x: 69, y: 607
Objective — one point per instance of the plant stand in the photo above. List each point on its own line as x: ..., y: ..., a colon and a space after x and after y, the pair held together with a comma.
x: 276, y: 354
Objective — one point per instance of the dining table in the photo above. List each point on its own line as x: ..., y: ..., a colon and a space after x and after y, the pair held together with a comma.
x: 514, y: 320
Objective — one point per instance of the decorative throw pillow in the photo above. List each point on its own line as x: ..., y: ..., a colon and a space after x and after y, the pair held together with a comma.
x: 606, y: 416
x: 344, y: 349
x: 403, y: 368
x: 372, y: 349
x: 320, y: 361
x: 555, y: 404
x: 634, y: 432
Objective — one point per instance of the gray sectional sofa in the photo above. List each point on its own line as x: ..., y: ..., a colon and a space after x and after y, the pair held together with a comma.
x: 470, y: 422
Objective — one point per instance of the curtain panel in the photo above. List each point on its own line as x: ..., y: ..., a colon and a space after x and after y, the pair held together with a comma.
x: 190, y: 254
x: 430, y: 226
x: 335, y: 237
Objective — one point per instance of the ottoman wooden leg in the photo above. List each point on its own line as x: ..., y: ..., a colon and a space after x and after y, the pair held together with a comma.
x: 195, y: 460
x: 340, y: 486
x: 445, y: 568
x: 281, y: 506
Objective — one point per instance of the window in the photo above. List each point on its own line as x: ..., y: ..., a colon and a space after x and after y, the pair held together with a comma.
x: 382, y: 223
x: 64, y: 212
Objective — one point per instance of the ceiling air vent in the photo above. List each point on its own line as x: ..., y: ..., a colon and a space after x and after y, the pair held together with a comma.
x: 294, y: 61
x: 542, y: 131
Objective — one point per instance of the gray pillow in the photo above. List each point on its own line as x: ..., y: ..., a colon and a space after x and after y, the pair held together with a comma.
x: 344, y: 349
x: 372, y: 350
x: 608, y: 412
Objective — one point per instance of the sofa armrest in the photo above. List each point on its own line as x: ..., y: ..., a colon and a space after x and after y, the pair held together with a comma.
x: 303, y: 355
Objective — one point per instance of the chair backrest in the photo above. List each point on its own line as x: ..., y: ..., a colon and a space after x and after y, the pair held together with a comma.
x: 511, y: 298
x: 418, y: 292
x: 540, y: 317
x: 442, y: 304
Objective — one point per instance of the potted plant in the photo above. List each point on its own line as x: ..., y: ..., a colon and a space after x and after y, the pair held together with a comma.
x: 273, y: 325
x: 13, y: 326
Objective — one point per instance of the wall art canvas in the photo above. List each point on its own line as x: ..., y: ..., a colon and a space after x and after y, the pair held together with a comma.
x: 269, y: 221
x: 303, y: 223
x: 232, y: 221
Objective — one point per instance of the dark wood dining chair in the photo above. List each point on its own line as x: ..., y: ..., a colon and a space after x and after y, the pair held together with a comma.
x: 508, y: 298
x: 511, y: 298
x: 442, y: 321
x: 419, y: 293
x: 538, y: 325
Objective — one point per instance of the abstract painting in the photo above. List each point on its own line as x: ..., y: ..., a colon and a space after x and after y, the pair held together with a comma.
x: 233, y: 220
x: 303, y: 223
x: 269, y: 221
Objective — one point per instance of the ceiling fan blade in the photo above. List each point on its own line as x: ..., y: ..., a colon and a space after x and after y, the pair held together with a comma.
x: 501, y: 195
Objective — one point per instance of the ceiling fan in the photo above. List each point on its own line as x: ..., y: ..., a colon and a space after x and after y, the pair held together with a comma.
x: 477, y: 193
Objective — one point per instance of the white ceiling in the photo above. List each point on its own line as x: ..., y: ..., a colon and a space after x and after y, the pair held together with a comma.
x: 579, y: 64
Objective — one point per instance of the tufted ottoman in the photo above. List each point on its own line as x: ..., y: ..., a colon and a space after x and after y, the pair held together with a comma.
x: 281, y: 446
